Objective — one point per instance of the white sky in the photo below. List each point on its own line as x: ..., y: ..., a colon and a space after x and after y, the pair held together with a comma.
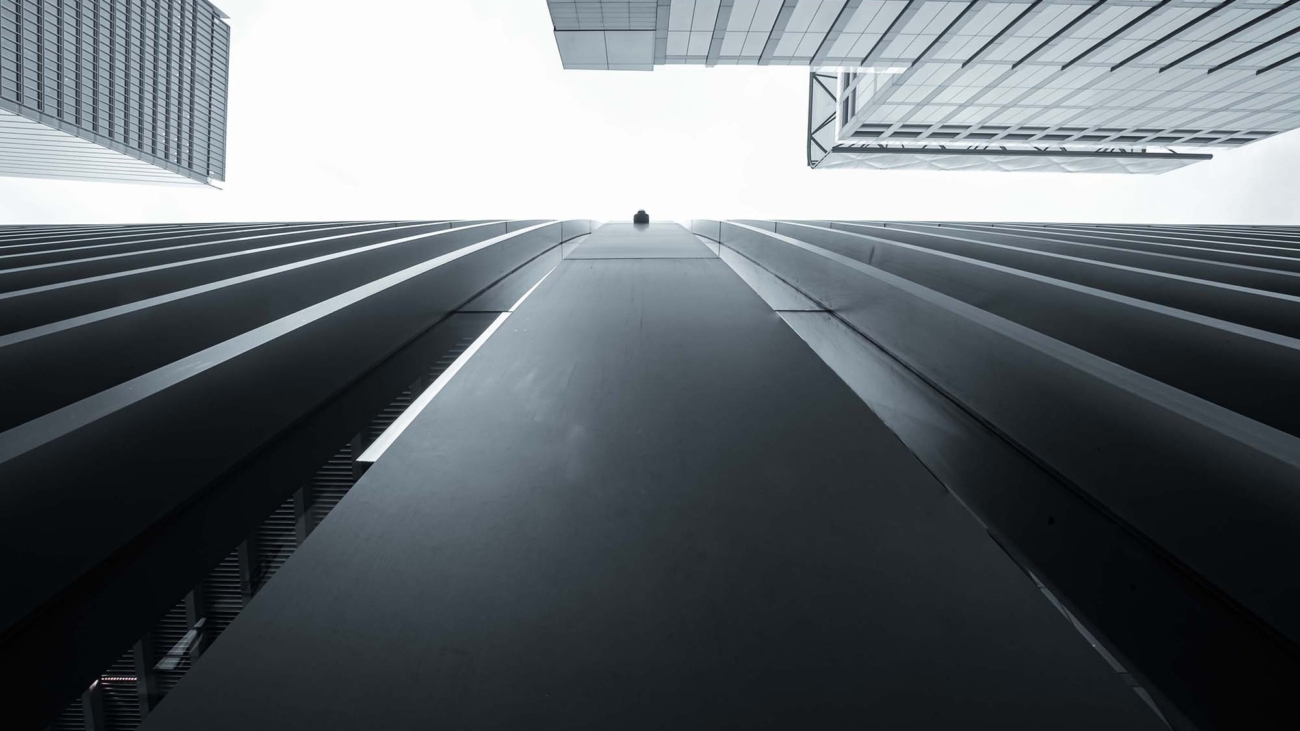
x: 417, y: 109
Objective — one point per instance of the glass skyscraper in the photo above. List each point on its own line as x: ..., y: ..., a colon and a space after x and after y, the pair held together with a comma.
x: 1063, y: 85
x: 115, y: 90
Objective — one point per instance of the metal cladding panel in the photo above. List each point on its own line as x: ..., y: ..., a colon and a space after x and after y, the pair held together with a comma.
x: 618, y: 50
x: 1081, y: 364
x: 644, y: 498
x: 1004, y: 371
x: 1158, y: 251
x: 29, y: 148
x: 638, y: 241
x: 602, y: 14
x: 186, y: 398
x: 61, y: 282
x: 1115, y: 74
x: 1089, y: 306
x: 646, y: 503
x: 337, y: 345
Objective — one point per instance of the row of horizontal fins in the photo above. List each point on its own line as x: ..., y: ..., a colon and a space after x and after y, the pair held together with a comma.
x: 1147, y: 372
x: 253, y: 325
x: 118, y: 701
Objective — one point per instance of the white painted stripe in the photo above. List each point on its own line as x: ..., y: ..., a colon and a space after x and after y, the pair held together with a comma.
x: 37, y: 432
x: 531, y: 289
x: 68, y: 324
x: 390, y: 435
x: 377, y: 449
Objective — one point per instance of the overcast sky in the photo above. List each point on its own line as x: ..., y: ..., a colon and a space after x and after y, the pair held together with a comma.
x: 421, y: 109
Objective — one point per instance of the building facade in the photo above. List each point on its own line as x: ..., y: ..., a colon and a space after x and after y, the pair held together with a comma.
x: 114, y: 90
x: 354, y: 456
x: 1067, y: 85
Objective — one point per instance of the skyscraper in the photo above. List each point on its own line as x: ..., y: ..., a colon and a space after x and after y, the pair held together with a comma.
x: 113, y: 90
x: 509, y: 474
x: 1141, y: 86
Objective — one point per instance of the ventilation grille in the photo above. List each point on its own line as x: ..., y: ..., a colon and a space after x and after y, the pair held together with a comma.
x: 389, y: 415
x: 275, y: 540
x: 179, y: 638
x: 73, y: 718
x: 223, y: 595
x: 330, y: 483
x: 121, y: 694
x: 174, y: 643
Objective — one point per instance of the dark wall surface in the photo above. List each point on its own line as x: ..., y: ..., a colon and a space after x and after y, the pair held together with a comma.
x: 645, y: 503
x: 903, y: 478
x: 143, y: 369
x: 1141, y: 398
